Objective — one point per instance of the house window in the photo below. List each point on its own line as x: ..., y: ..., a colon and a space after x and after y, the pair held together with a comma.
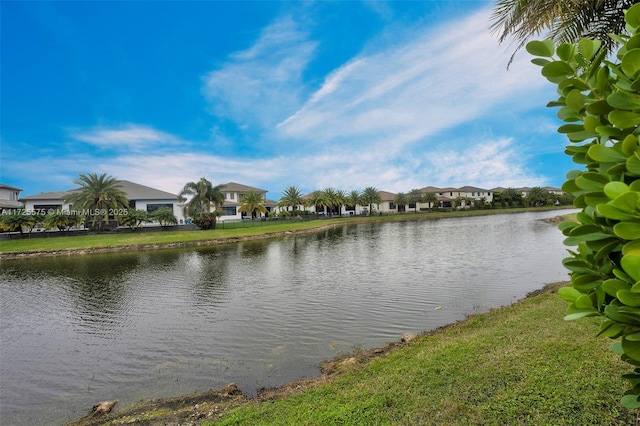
x: 391, y: 206
x: 153, y: 207
x: 229, y: 211
x: 231, y: 195
x: 412, y: 205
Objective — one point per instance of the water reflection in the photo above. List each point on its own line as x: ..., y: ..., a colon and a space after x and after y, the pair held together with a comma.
x: 143, y: 325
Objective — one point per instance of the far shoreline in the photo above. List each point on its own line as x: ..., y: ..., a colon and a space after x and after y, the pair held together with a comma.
x: 256, y: 233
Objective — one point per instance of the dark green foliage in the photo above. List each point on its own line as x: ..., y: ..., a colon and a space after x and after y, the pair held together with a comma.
x: 600, y: 102
x: 205, y: 221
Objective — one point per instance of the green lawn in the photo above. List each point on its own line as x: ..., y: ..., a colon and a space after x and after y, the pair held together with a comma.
x: 518, y: 365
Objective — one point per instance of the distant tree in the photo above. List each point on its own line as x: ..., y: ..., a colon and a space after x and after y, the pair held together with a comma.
x: 401, y: 200
x: 291, y: 197
x: 19, y: 221
x: 97, y: 197
x: 252, y: 203
x: 61, y: 219
x: 353, y: 199
x: 317, y: 200
x: 511, y: 197
x: 134, y: 218
x: 202, y: 195
x: 430, y: 198
x: 415, y: 196
x: 481, y: 202
x: 538, y: 196
x: 164, y: 216
x: 340, y: 200
x: 370, y: 196
x: 206, y: 220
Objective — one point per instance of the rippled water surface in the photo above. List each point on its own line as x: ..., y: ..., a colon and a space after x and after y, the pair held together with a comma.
x: 127, y: 326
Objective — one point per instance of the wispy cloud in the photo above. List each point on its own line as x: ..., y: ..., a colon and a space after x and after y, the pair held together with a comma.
x: 262, y: 84
x: 126, y: 136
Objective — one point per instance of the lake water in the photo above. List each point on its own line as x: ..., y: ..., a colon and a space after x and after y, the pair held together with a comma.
x: 133, y: 325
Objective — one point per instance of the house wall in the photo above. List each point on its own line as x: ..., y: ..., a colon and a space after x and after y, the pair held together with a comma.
x: 150, y: 205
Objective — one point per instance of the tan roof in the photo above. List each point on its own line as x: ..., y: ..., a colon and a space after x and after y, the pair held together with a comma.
x: 133, y: 190
x: 238, y: 187
x: 386, y: 196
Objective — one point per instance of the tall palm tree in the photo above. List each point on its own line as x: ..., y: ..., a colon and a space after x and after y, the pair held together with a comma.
x: 291, y: 197
x: 567, y: 21
x: 202, y: 194
x: 430, y: 198
x: 401, y: 200
x: 97, y: 197
x: 340, y: 200
x: 317, y: 200
x: 334, y: 199
x: 253, y: 203
x: 353, y: 199
x: 415, y: 196
x: 370, y: 196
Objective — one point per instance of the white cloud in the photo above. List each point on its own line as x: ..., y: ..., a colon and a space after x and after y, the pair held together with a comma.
x: 127, y: 136
x: 262, y: 84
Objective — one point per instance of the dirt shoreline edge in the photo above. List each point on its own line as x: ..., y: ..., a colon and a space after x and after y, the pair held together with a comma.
x: 194, y: 408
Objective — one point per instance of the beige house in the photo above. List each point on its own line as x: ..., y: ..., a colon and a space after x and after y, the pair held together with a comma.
x: 233, y: 193
x: 9, y: 198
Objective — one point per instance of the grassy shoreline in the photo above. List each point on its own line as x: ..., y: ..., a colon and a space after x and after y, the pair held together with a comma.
x: 519, y: 364
x: 106, y: 242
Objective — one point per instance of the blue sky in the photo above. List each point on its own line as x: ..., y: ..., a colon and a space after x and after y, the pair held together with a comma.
x: 343, y: 94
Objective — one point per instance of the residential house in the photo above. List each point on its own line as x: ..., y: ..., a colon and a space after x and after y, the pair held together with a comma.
x: 233, y: 193
x: 140, y: 197
x: 9, y: 198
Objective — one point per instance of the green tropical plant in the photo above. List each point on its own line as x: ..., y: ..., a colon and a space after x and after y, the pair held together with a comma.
x: 19, y: 221
x: 599, y: 100
x: 370, y: 196
x: 134, y: 218
x: 538, y: 196
x: 202, y: 195
x: 353, y: 199
x: 206, y: 220
x: 164, y: 216
x: 253, y: 203
x: 430, y: 198
x: 97, y: 198
x: 317, y: 200
x: 291, y: 197
x: 566, y: 21
x: 401, y: 200
x: 61, y: 219
x: 415, y: 196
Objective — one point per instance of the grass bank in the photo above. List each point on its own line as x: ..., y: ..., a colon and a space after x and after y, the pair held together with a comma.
x: 521, y: 364
x: 177, y: 238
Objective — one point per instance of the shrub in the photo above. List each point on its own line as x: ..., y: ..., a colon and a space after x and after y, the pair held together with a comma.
x: 600, y: 102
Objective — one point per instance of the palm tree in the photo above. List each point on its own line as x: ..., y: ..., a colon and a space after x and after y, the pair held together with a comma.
x: 415, y: 197
x: 252, y: 202
x: 165, y: 216
x: 18, y: 221
x: 340, y: 200
x: 97, y: 197
x: 291, y: 197
x: 134, y: 218
x: 202, y: 194
x: 567, y: 21
x: 317, y: 200
x: 538, y: 196
x: 370, y: 196
x: 401, y: 200
x: 353, y: 199
x: 334, y: 199
x: 61, y: 219
x: 430, y: 198
x: 510, y: 196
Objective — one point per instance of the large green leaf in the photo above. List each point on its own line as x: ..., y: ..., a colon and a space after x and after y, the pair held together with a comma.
x: 541, y: 48
x: 631, y: 348
x: 631, y: 62
x: 629, y: 145
x: 629, y: 298
x: 627, y: 202
x: 631, y: 265
x: 592, y: 181
x: 624, y: 100
x: 611, y: 212
x: 627, y: 230
x: 614, y: 189
x: 624, y: 315
x: 605, y: 154
x: 630, y: 402
x: 633, y: 164
x: 557, y: 69
x: 632, y: 16
x: 600, y: 108
x: 624, y: 119
x: 632, y: 247
x: 612, y: 286
x: 575, y: 100
x: 588, y: 48
x: 569, y: 294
